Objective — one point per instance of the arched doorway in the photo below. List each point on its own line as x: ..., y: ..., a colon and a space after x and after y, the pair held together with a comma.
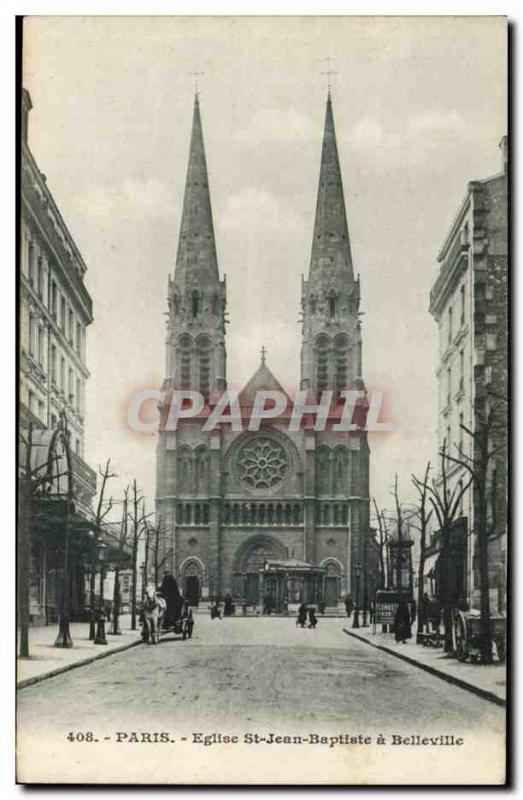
x: 192, y: 578
x: 331, y: 582
x: 248, y: 574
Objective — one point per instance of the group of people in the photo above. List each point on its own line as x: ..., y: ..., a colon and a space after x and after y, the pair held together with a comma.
x: 303, y: 613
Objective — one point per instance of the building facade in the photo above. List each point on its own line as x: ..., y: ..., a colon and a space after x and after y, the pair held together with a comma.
x: 238, y: 504
x: 55, y: 311
x: 469, y: 301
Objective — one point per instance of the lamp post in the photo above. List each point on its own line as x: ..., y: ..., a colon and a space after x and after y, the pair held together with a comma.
x: 356, y: 618
x: 115, y: 629
x: 92, y: 586
x: 365, y: 585
x: 100, y: 637
x: 64, y: 632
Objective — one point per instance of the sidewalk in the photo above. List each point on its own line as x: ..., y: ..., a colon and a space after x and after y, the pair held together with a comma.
x: 45, y: 660
x: 488, y: 681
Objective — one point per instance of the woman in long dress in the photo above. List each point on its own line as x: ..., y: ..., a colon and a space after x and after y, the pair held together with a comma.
x: 402, y: 630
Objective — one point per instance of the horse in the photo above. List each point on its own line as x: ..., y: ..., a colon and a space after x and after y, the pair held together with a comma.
x: 153, y: 610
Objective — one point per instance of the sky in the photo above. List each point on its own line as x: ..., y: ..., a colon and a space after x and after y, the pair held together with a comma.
x: 420, y: 105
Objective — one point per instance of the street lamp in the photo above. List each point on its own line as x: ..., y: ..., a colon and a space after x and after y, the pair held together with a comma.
x: 356, y: 619
x: 92, y: 588
x: 116, y: 630
x: 64, y: 632
x: 100, y: 637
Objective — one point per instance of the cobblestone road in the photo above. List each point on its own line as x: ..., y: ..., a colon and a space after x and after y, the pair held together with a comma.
x: 237, y: 671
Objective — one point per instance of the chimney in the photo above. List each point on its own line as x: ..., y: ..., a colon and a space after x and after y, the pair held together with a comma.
x: 26, y: 108
x: 503, y: 146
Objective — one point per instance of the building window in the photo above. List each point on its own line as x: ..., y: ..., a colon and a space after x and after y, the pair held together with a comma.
x: 461, y: 432
x: 54, y: 420
x: 449, y: 385
x: 78, y: 397
x: 450, y: 325
x: 448, y: 438
x: 31, y: 264
x: 40, y: 345
x: 31, y: 400
x: 41, y: 410
x: 71, y: 387
x: 461, y: 369
x: 40, y: 277
x: 31, y: 333
x: 462, y: 304
x: 62, y: 314
x: 77, y: 447
x: 53, y: 300
x: 53, y: 363
x: 332, y: 305
x: 78, y: 339
x: 62, y: 374
x: 322, y: 364
x: 70, y: 332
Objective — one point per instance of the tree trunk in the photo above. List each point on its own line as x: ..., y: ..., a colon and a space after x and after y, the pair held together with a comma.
x: 486, y: 638
x: 23, y: 573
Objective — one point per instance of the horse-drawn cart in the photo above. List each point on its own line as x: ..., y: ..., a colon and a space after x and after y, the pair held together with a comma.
x: 152, y: 615
x: 466, y: 633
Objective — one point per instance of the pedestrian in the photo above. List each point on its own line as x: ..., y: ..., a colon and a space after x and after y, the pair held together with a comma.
x: 349, y: 605
x: 173, y: 599
x: 313, y: 620
x: 228, y: 605
x: 321, y: 607
x: 301, y: 619
x: 216, y: 612
x: 402, y: 630
x: 413, y: 611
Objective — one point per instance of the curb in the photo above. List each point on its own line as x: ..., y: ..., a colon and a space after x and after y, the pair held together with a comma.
x: 82, y: 663
x: 470, y: 687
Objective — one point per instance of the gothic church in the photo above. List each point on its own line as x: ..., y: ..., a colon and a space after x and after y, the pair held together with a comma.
x: 267, y: 514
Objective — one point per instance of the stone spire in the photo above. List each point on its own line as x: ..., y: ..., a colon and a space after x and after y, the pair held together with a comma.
x: 196, y: 245
x: 331, y: 334
x: 330, y: 244
x: 195, y: 341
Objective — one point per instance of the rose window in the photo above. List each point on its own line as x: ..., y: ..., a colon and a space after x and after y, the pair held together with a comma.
x: 262, y: 463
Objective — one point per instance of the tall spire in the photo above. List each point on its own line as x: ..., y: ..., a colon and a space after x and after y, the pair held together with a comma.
x: 331, y: 244
x: 196, y: 246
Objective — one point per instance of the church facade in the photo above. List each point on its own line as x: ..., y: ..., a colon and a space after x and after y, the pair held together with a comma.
x: 269, y: 512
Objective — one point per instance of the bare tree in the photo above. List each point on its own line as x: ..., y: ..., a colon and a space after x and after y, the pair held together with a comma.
x: 489, y: 426
x: 445, y: 502
x: 424, y: 516
x: 160, y: 552
x: 34, y: 484
x: 102, y: 510
x: 383, y: 536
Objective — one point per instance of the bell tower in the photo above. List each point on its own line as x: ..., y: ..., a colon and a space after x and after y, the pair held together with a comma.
x: 331, y: 333
x: 196, y: 297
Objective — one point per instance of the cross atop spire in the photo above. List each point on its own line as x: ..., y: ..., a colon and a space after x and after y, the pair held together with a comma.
x: 263, y: 352
x: 329, y: 73
x: 196, y: 74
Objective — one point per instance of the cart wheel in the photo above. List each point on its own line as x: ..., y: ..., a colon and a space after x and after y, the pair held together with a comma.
x: 459, y: 634
x: 500, y: 646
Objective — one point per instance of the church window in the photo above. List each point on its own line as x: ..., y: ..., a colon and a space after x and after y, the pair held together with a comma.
x: 325, y: 514
x: 188, y: 514
x: 205, y: 514
x: 179, y: 513
x: 201, y: 470
x: 197, y: 514
x: 235, y: 514
x: 322, y: 364
x: 262, y: 463
x: 332, y: 305
x: 185, y: 362
x: 296, y: 514
x: 340, y: 359
x: 287, y: 514
x: 204, y: 358
x: 323, y: 469
x: 195, y: 303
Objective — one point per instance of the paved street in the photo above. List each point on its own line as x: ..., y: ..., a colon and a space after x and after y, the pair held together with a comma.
x: 238, y: 672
